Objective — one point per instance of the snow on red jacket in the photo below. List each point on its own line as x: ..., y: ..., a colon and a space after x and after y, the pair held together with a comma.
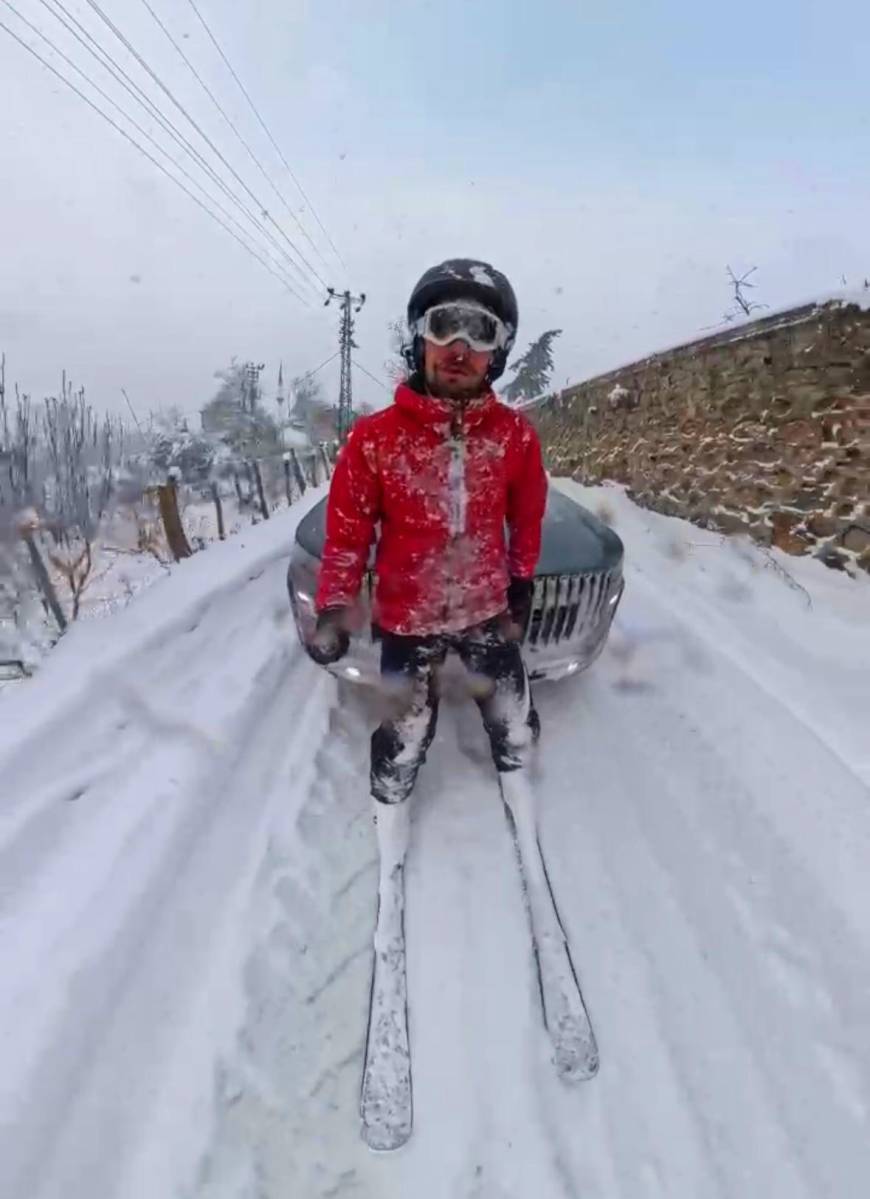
x: 441, y: 482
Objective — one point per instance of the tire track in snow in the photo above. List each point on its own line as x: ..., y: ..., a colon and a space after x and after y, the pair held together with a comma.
x: 667, y: 805
x: 143, y: 778
x: 118, y: 715
x: 646, y: 1129
x: 796, y: 937
x: 292, y: 1123
x: 140, y: 942
x: 675, y: 1046
x: 771, y: 901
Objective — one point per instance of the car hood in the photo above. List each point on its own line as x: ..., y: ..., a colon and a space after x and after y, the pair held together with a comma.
x: 573, y: 540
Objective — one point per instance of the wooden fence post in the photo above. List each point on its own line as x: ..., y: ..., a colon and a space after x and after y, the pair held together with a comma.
x: 287, y: 487
x: 258, y: 475
x: 43, y: 580
x: 249, y: 475
x: 297, y: 470
x: 168, y: 498
x: 216, y: 496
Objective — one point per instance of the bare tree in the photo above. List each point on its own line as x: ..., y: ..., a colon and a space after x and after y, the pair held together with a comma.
x: 22, y: 492
x: 741, y: 303
x: 19, y: 475
x: 396, y: 365
x: 81, y: 453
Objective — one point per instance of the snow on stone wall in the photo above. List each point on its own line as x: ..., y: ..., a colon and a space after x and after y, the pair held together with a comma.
x: 763, y: 429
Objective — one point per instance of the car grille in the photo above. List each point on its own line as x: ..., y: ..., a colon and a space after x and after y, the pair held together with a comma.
x: 563, y: 605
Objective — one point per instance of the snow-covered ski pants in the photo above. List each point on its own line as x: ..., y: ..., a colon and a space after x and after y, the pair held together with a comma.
x: 409, y: 667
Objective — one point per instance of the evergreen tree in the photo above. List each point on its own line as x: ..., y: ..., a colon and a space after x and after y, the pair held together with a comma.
x: 532, y: 371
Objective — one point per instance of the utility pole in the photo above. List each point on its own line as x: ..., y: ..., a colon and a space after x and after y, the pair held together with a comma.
x: 279, y: 400
x: 252, y: 385
x: 349, y: 306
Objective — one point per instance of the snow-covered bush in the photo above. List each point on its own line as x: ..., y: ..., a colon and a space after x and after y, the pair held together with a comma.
x: 192, y: 454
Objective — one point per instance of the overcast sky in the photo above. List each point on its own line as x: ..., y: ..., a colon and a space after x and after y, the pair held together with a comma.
x: 610, y: 158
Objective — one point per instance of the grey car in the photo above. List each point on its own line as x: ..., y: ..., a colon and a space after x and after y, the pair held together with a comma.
x: 578, y: 585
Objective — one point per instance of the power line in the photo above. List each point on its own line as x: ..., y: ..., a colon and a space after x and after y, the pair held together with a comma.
x: 266, y: 130
x: 131, y: 49
x: 235, y: 130
x: 142, y: 150
x: 359, y: 366
x: 105, y: 60
x: 325, y: 362
x: 260, y: 206
x: 132, y: 409
x: 141, y: 130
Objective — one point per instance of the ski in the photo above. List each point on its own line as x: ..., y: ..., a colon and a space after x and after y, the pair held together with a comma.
x: 575, y: 1051
x: 386, y: 1104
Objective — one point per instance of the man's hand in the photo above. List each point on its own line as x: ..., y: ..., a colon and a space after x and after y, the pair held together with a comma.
x: 519, y: 608
x: 331, y: 638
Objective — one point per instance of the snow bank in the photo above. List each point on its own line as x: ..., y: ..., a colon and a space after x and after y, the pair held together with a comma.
x: 97, y: 647
x: 801, y: 630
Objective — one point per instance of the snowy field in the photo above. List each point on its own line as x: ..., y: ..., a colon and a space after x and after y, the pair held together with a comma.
x: 188, y: 879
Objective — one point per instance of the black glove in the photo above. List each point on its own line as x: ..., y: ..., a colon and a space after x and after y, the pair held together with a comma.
x: 331, y: 638
x: 519, y: 601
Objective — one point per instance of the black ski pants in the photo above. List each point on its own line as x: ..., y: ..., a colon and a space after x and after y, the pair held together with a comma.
x: 409, y: 667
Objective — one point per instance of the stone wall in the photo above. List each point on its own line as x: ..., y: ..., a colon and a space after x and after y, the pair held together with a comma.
x: 763, y: 429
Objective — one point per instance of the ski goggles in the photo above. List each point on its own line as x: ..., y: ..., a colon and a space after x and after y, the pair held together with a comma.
x: 477, y: 326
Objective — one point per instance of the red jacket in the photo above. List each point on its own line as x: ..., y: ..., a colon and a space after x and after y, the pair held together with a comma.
x: 442, y: 486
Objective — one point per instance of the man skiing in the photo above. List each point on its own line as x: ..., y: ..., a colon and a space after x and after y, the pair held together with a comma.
x: 442, y: 471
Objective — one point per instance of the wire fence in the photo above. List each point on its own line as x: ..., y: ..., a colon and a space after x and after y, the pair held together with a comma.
x: 194, y: 513
x: 48, y: 582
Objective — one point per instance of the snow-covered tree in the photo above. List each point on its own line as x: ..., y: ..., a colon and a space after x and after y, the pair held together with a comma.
x: 175, y: 446
x: 57, y: 472
x: 82, y: 454
x: 235, y: 416
x: 533, y: 370
x: 254, y: 435
x: 311, y: 411
x: 220, y: 414
x: 25, y: 631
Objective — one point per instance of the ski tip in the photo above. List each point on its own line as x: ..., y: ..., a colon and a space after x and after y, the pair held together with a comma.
x: 382, y: 1138
x: 584, y: 1073
x: 575, y: 1067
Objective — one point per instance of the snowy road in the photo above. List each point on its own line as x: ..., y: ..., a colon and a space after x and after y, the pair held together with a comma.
x: 187, y: 888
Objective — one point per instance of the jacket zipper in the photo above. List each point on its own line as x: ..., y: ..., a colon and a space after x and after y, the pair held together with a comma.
x: 456, y: 489
x: 457, y: 493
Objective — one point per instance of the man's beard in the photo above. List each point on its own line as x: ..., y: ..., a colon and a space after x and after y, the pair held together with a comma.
x: 461, y: 390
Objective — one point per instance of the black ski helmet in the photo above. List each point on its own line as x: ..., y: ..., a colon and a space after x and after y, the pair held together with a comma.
x: 463, y: 279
